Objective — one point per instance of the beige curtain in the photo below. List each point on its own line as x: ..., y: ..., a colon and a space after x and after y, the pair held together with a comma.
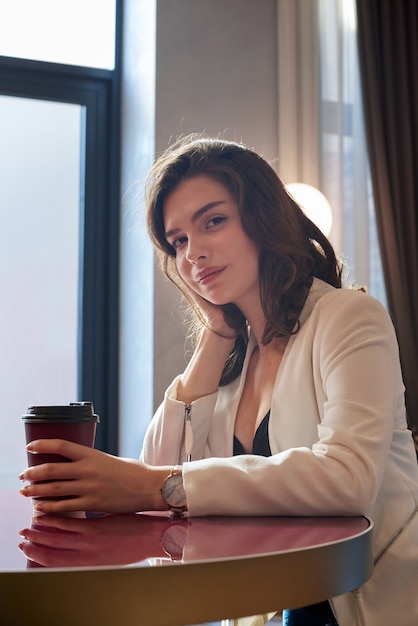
x: 321, y: 139
x: 298, y: 91
x: 388, y: 52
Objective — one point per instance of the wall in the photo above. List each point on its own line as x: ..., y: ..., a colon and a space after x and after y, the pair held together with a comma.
x: 216, y: 72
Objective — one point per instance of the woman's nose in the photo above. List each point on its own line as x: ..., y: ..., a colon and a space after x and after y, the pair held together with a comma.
x: 194, y: 251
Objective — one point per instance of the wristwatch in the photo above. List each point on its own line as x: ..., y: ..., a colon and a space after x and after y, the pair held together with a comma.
x: 173, y: 492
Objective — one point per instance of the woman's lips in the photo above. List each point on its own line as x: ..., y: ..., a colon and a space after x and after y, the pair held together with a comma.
x: 209, y: 274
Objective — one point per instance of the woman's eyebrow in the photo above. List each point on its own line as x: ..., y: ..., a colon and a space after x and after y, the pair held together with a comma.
x: 196, y: 216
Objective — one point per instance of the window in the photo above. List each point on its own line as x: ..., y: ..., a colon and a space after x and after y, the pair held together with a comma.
x: 66, y: 213
x: 39, y: 259
x: 345, y: 177
x: 75, y: 32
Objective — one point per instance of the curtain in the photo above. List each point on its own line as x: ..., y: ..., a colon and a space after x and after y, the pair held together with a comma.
x: 321, y: 136
x: 298, y: 91
x: 388, y: 55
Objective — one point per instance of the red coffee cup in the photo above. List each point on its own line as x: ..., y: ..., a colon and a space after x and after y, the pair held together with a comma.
x: 74, y: 422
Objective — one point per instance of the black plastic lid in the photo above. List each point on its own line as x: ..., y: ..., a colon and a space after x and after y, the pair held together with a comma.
x: 73, y: 412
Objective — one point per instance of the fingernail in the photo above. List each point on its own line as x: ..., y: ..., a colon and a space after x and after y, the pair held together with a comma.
x: 29, y: 447
x: 38, y: 507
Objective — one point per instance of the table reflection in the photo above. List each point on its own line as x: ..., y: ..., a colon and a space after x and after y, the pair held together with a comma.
x: 115, y: 540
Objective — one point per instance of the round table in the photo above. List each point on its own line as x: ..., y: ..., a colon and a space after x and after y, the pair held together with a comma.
x: 147, y: 569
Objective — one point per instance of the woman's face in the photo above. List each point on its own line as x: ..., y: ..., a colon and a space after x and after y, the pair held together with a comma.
x: 214, y: 255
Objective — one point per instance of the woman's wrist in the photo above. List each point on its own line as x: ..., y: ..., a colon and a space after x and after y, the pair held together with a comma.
x: 154, y: 480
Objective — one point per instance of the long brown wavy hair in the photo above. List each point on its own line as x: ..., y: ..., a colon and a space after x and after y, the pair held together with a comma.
x: 292, y: 249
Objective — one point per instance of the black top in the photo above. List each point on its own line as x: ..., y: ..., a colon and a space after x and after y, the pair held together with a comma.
x: 261, y: 444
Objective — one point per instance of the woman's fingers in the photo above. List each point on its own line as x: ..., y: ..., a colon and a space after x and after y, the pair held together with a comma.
x: 48, y: 472
x: 50, y: 489
x: 64, y: 482
x: 65, y: 505
x: 68, y: 449
x: 58, y: 471
x: 213, y: 315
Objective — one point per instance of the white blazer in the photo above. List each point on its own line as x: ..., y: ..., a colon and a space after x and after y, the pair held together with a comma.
x: 339, y: 442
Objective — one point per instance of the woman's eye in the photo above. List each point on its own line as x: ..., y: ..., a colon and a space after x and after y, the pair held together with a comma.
x: 214, y: 221
x: 178, y: 242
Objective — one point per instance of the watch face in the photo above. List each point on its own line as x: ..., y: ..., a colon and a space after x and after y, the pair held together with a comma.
x: 173, y: 492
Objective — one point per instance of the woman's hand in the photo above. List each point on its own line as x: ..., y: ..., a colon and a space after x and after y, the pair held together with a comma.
x: 92, y: 481
x: 212, y: 315
x: 214, y: 346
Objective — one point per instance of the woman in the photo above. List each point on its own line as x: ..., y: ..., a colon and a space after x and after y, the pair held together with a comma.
x: 292, y: 402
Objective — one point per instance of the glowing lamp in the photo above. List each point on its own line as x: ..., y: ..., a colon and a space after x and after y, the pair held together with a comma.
x: 314, y: 204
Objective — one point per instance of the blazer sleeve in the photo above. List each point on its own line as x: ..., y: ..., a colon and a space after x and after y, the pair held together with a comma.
x: 164, y: 442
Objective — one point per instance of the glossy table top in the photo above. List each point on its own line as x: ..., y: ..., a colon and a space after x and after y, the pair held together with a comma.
x: 111, y: 566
